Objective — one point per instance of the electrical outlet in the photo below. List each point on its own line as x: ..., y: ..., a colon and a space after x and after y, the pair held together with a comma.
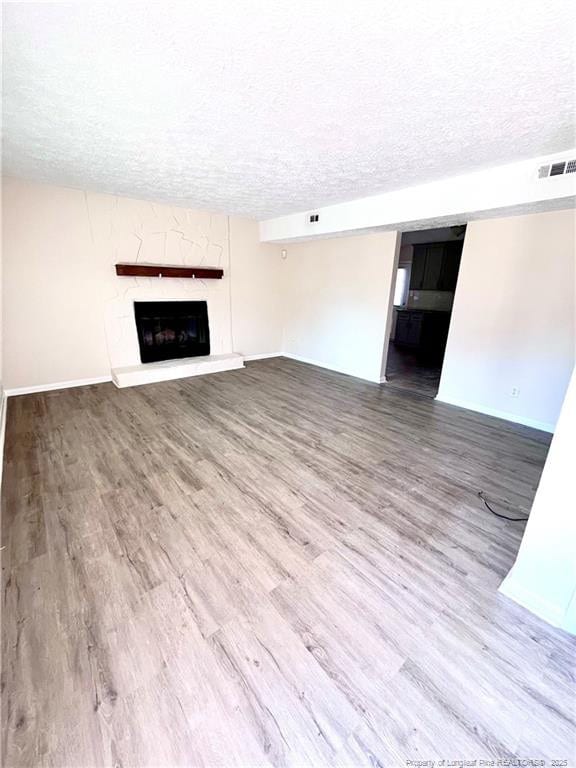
x: 515, y: 392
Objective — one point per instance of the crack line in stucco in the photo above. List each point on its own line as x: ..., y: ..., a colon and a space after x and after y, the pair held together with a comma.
x: 141, y: 240
x: 193, y: 243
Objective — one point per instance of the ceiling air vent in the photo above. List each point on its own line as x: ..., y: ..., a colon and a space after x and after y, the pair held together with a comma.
x: 557, y: 169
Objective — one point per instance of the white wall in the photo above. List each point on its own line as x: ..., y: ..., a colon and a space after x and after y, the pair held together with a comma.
x: 257, y: 315
x: 338, y: 302
x: 1, y: 313
x: 513, y: 321
x: 458, y: 199
x: 2, y: 403
x: 68, y: 317
x: 543, y: 578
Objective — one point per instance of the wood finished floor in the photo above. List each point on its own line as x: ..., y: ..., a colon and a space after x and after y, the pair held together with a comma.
x: 404, y: 369
x: 274, y: 566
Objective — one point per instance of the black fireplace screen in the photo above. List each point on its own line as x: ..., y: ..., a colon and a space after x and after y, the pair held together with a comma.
x: 168, y: 330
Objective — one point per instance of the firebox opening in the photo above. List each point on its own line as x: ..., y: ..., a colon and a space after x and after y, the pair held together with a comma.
x: 169, y: 330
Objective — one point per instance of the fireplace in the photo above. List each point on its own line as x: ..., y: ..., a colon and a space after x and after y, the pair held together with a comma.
x: 169, y: 330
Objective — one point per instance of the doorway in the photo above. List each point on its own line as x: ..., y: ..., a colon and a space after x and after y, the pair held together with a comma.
x: 424, y: 290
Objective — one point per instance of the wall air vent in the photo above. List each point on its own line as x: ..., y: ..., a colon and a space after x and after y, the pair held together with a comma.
x: 557, y: 169
x: 313, y: 218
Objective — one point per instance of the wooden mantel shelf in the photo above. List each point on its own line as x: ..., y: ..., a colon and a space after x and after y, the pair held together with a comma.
x: 163, y: 270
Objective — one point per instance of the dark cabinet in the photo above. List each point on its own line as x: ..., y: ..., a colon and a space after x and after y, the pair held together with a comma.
x: 450, y: 267
x: 408, y: 328
x: 423, y: 331
x: 435, y: 267
x: 418, y: 267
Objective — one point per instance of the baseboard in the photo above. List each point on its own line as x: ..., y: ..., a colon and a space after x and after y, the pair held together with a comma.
x: 265, y: 356
x: 57, y: 385
x: 541, y: 425
x: 545, y: 610
x: 37, y: 388
x: 319, y: 364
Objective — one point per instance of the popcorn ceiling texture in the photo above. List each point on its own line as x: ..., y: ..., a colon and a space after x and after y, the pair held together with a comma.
x: 262, y: 109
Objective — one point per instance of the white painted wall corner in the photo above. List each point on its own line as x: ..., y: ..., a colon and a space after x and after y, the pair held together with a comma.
x: 328, y: 367
x: 265, y: 356
x: 545, y: 609
x: 543, y: 578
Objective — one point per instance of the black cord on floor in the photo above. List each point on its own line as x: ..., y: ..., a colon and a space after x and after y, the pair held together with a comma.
x: 512, y: 519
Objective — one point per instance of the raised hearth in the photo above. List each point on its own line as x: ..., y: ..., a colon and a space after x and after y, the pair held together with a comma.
x: 150, y: 373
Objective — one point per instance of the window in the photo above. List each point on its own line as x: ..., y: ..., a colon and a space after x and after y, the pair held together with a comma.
x: 401, y: 289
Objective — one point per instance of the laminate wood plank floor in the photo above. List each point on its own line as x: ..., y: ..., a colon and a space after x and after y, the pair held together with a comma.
x: 406, y: 370
x: 277, y: 566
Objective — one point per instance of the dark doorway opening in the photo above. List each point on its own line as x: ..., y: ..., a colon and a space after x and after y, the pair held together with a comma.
x: 426, y: 279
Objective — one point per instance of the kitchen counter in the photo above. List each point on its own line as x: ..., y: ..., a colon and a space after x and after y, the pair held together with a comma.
x: 417, y: 309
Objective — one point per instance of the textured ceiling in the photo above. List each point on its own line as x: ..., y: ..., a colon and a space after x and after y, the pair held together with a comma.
x: 265, y: 108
